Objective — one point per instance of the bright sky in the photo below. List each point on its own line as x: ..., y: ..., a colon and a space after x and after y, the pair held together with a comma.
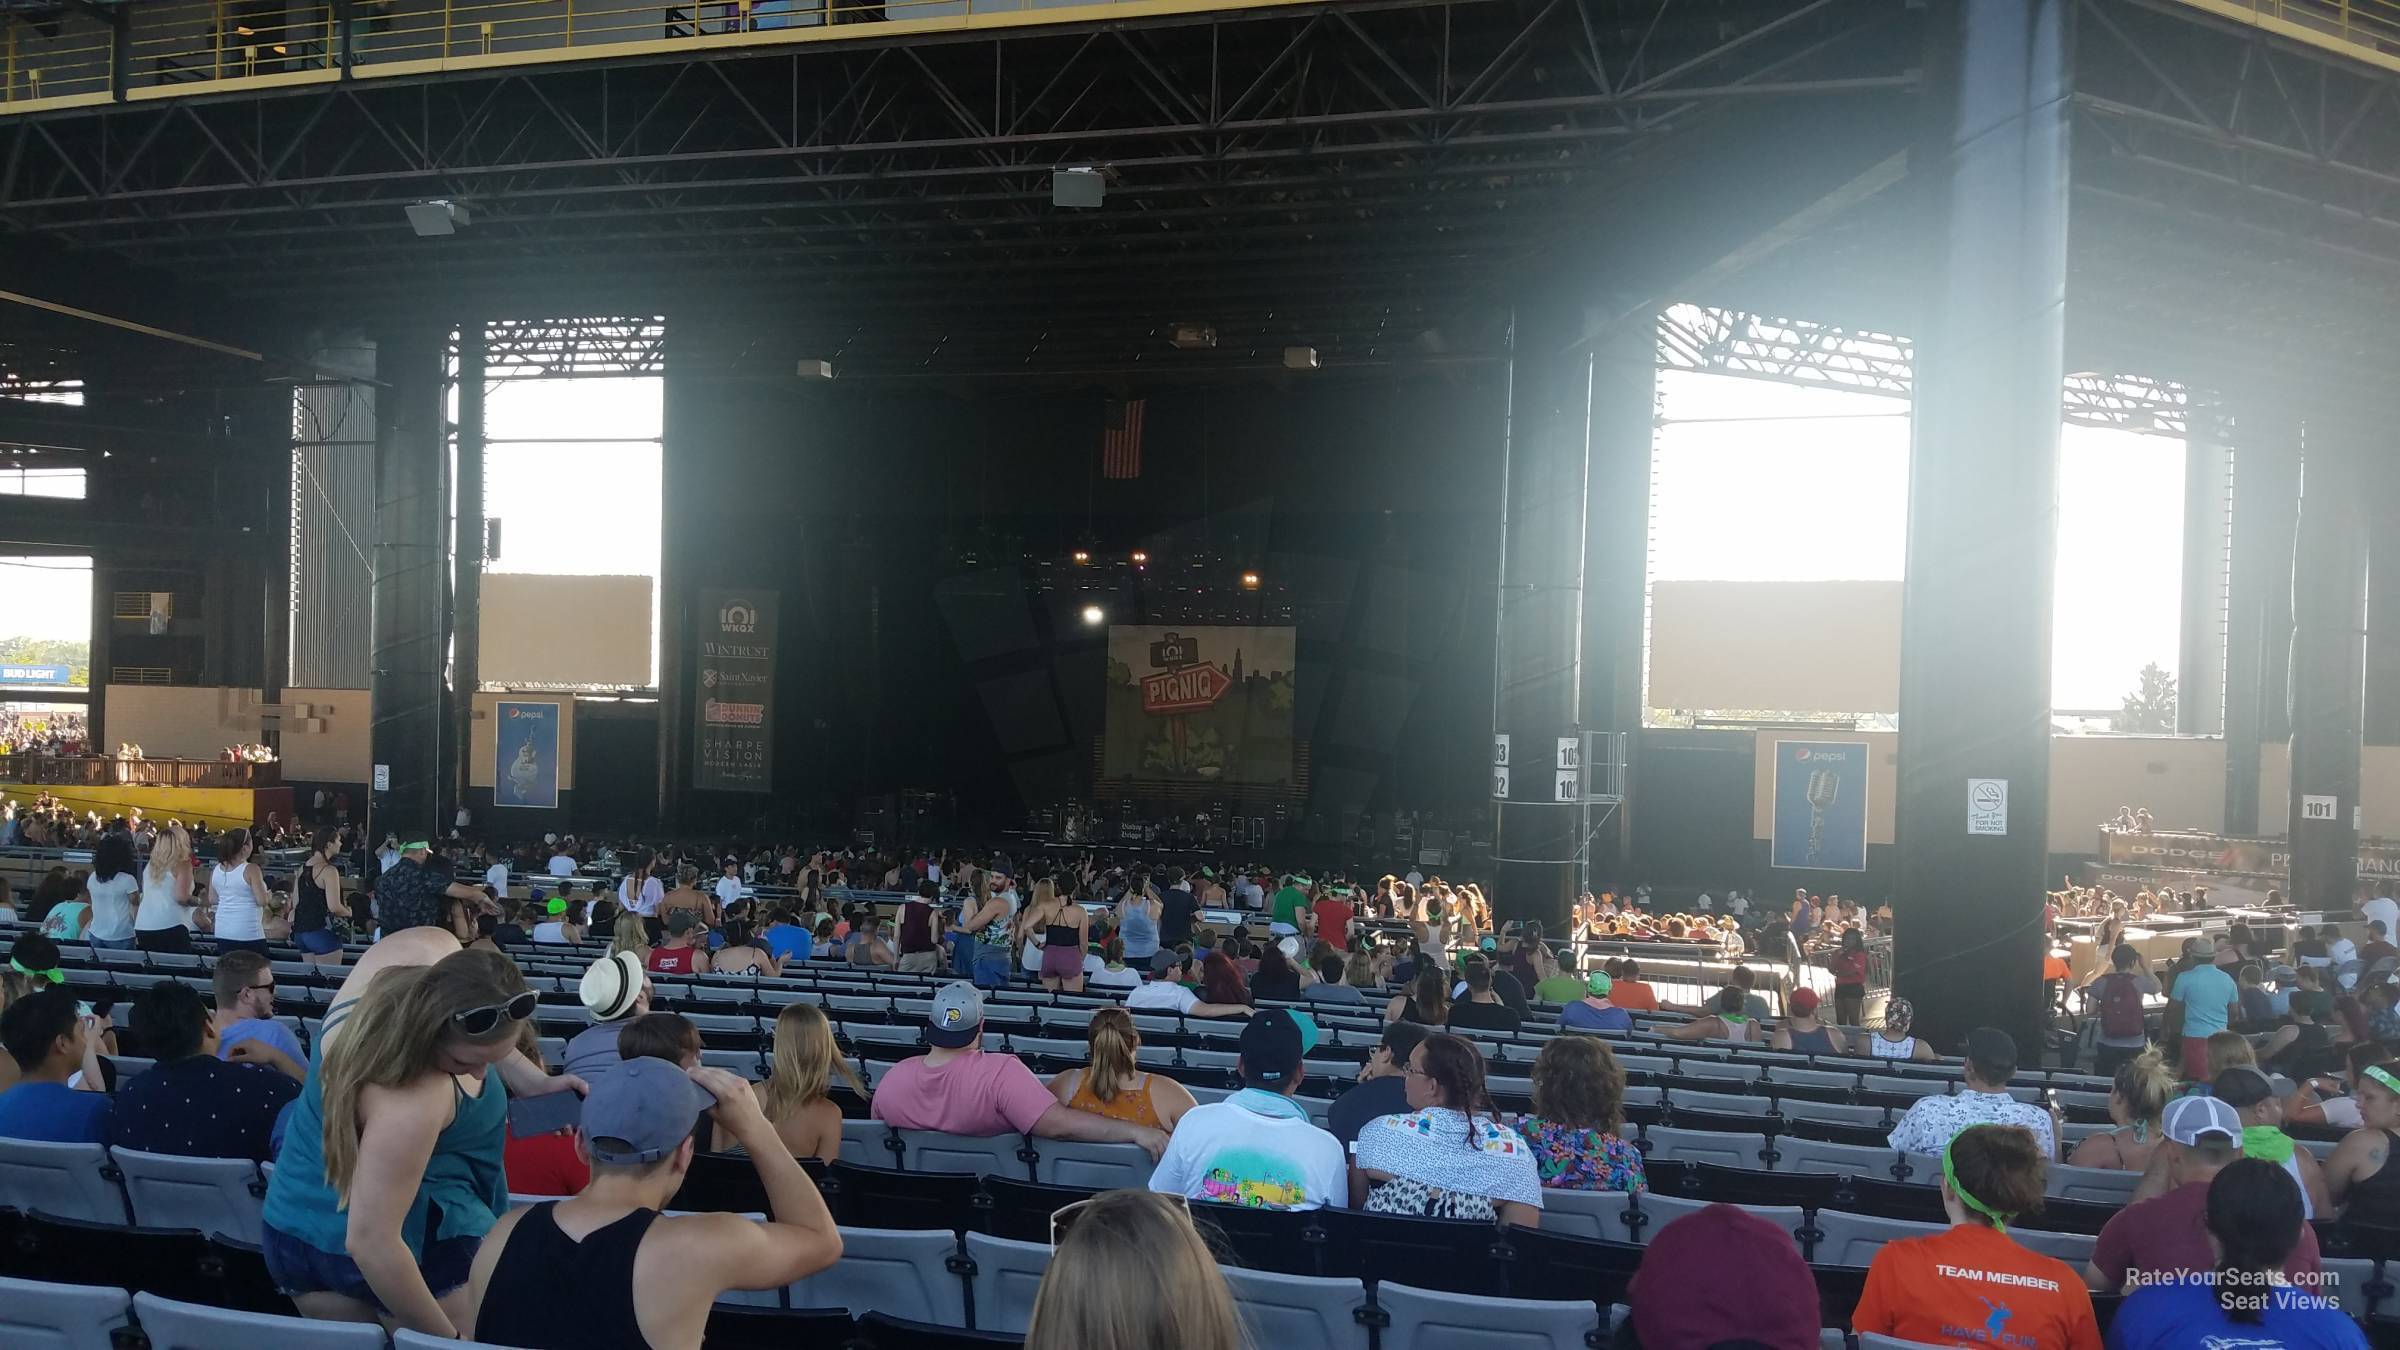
x: 1739, y: 459
x: 46, y: 598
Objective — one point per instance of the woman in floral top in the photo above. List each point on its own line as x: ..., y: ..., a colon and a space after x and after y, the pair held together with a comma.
x: 1578, y: 1103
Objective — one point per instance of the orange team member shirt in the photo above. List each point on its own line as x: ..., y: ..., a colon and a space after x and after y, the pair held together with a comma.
x: 1972, y: 1286
x: 1634, y: 996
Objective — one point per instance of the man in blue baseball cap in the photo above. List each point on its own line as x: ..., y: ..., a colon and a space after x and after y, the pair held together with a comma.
x: 570, y: 1274
x: 1258, y: 1147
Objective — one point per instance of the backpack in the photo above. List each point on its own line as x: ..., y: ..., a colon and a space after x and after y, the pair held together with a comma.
x: 2121, y: 1015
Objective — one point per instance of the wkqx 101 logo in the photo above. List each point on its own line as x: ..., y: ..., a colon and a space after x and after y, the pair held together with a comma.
x: 738, y: 618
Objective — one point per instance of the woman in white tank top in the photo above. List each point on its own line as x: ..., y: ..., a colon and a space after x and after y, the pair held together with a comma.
x: 235, y: 888
x: 164, y: 921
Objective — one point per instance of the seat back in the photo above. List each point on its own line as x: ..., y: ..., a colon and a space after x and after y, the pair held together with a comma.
x: 213, y: 1195
x: 1294, y: 1310
x: 992, y: 1154
x: 868, y: 1144
x: 1590, y: 1214
x: 1853, y: 1239
x: 888, y: 1270
x: 1875, y: 1340
x: 189, y: 1326
x: 1100, y: 1167
x: 38, y: 1316
x: 1815, y: 1155
x: 2073, y: 1248
x: 2107, y: 1185
x: 1007, y: 1276
x: 1705, y: 1146
x: 71, y: 1181
x: 418, y: 1340
x: 1426, y: 1319
x: 1656, y: 1211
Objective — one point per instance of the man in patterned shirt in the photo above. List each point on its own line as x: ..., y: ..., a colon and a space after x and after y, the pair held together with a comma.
x: 1982, y: 1099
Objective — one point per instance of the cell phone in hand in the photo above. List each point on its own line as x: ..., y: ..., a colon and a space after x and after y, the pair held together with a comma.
x: 540, y: 1115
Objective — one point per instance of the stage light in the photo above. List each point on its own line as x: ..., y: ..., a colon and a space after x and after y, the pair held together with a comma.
x: 438, y: 217
x: 1094, y: 616
x: 1139, y: 557
x: 1249, y: 581
x: 1083, y: 556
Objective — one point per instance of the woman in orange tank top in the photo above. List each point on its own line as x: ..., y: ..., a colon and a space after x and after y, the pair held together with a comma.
x: 1114, y: 1086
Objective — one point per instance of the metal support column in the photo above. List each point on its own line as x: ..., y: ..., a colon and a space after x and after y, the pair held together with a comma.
x: 2258, y: 632
x: 2329, y: 632
x: 2382, y: 725
x: 2207, y: 531
x: 1537, y: 657
x: 411, y: 578
x: 1616, y: 533
x: 467, y: 542
x: 1974, y: 782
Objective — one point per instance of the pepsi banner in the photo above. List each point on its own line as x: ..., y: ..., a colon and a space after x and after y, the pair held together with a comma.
x: 1820, y: 806
x: 525, y: 755
x: 733, y: 740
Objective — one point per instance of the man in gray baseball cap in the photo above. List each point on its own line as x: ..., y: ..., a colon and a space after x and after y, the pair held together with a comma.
x: 958, y: 1089
x: 2163, y: 1234
x: 581, y: 1271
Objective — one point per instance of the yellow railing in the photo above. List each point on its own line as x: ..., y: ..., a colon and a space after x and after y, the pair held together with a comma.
x: 2366, y: 29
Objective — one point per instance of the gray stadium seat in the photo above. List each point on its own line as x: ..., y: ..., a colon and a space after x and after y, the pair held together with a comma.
x: 984, y: 1155
x: 1832, y: 1338
x: 863, y: 1143
x: 189, y: 1326
x: 1098, y: 1167
x: 1832, y: 1113
x: 1869, y: 1340
x: 1853, y: 1239
x: 37, y: 1316
x: 1591, y: 1214
x: 418, y: 1340
x: 2346, y: 1283
x: 66, y: 1181
x: 2107, y: 1185
x: 1817, y: 1157
x: 1662, y: 1210
x: 1706, y: 1146
x: 1424, y: 1319
x: 1299, y: 1310
x: 1007, y: 1276
x: 888, y: 1270
x: 2073, y: 1248
x: 213, y: 1195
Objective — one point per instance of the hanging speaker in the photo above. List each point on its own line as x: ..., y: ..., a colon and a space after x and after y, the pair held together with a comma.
x: 491, y: 538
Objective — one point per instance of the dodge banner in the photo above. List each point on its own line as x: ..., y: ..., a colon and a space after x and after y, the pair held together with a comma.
x: 2198, y: 852
x: 1206, y: 705
x: 733, y: 741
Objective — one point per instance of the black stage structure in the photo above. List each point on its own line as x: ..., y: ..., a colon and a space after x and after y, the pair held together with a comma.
x: 1483, y: 204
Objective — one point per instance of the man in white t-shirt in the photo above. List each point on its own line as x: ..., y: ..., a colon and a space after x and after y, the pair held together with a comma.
x: 2381, y: 907
x: 1258, y: 1148
x: 729, y: 885
x: 562, y: 863
x: 496, y: 876
x: 1165, y: 992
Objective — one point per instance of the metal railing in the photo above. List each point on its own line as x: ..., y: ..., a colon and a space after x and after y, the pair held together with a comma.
x: 110, y: 771
x: 71, y: 55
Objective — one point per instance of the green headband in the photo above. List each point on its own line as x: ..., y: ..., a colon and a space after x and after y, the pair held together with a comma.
x: 1950, y: 1174
x: 2384, y: 1076
x: 411, y: 848
x: 54, y: 975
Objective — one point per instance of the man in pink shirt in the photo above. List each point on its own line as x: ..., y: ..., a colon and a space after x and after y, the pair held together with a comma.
x: 957, y: 1089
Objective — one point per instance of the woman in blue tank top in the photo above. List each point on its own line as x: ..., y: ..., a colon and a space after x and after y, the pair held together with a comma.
x: 390, y: 1172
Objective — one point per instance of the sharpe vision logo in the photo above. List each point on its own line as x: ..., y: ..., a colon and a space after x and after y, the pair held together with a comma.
x: 737, y: 617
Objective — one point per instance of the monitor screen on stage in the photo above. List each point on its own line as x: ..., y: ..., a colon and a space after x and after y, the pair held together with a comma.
x: 1199, y: 705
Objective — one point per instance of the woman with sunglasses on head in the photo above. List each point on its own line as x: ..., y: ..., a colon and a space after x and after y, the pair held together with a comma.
x: 391, y: 1170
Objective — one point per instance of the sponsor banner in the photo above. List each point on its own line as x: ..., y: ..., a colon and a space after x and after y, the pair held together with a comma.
x: 525, y: 755
x: 36, y: 674
x: 2198, y: 852
x: 1820, y: 805
x: 733, y: 744
x: 1205, y: 705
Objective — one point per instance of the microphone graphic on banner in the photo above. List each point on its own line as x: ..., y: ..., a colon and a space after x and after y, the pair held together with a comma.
x: 1824, y: 788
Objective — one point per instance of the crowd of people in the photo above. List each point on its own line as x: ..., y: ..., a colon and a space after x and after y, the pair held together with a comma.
x: 425, y: 1100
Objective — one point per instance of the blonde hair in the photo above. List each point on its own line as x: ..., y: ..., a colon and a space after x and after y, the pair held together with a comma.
x: 395, y: 1037
x: 173, y: 849
x: 2226, y: 1050
x: 1114, y: 1041
x: 1133, y: 1271
x: 805, y: 1061
x: 631, y: 936
x: 2144, y: 1084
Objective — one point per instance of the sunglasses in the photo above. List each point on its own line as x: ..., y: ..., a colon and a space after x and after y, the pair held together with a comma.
x: 481, y: 1021
x: 1063, y: 1219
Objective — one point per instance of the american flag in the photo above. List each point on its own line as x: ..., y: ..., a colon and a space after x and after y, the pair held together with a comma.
x: 1121, y: 439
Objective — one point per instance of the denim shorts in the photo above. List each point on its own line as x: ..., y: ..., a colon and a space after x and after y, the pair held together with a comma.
x: 299, y: 1268
x: 317, y: 942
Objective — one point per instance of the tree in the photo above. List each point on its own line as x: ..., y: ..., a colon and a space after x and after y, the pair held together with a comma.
x: 2150, y: 709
